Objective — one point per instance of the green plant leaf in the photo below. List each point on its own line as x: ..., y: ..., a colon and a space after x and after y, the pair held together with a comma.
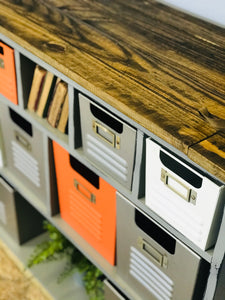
x: 57, y: 247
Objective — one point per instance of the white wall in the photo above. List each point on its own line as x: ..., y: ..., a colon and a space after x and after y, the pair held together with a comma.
x: 209, y: 10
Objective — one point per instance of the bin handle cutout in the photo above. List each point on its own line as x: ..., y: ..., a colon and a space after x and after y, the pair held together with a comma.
x: 84, y: 191
x: 21, y: 122
x: 1, y: 50
x: 107, y: 135
x: 154, y: 254
x: 178, y: 187
x: 23, y: 141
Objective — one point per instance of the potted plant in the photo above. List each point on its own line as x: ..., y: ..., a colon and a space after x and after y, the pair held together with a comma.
x: 57, y: 247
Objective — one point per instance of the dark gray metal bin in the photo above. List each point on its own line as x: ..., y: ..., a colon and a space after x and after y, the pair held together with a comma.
x: 153, y: 262
x: 108, y: 141
x: 18, y: 218
x: 24, y: 152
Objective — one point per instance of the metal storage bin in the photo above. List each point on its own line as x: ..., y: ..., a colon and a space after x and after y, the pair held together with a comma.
x: 87, y: 203
x: 25, y: 156
x: 17, y: 216
x: 8, y: 86
x: 107, y: 141
x: 185, y: 198
x: 111, y: 292
x: 153, y: 262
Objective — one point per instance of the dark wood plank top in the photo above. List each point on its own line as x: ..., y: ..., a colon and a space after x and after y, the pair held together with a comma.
x: 212, y: 152
x: 156, y: 65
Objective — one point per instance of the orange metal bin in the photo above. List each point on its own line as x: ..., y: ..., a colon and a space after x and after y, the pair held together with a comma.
x: 8, y: 86
x: 87, y: 203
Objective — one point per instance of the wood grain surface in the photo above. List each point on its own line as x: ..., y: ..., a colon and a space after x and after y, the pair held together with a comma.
x: 156, y: 65
x: 212, y: 152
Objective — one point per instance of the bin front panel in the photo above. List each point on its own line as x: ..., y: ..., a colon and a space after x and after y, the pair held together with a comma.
x: 186, y: 199
x: 107, y: 141
x: 152, y: 261
x: 87, y: 203
x: 25, y: 156
x: 8, y: 86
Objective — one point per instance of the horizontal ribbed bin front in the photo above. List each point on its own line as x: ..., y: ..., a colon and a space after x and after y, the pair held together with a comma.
x: 25, y: 156
x: 87, y: 203
x: 108, y: 141
x: 152, y: 261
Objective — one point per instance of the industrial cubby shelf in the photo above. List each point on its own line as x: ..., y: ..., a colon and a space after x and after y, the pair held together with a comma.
x: 129, y: 95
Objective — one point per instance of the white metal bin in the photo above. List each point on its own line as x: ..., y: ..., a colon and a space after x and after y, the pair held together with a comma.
x: 25, y: 156
x: 153, y: 262
x: 18, y: 218
x: 108, y: 141
x: 183, y: 196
